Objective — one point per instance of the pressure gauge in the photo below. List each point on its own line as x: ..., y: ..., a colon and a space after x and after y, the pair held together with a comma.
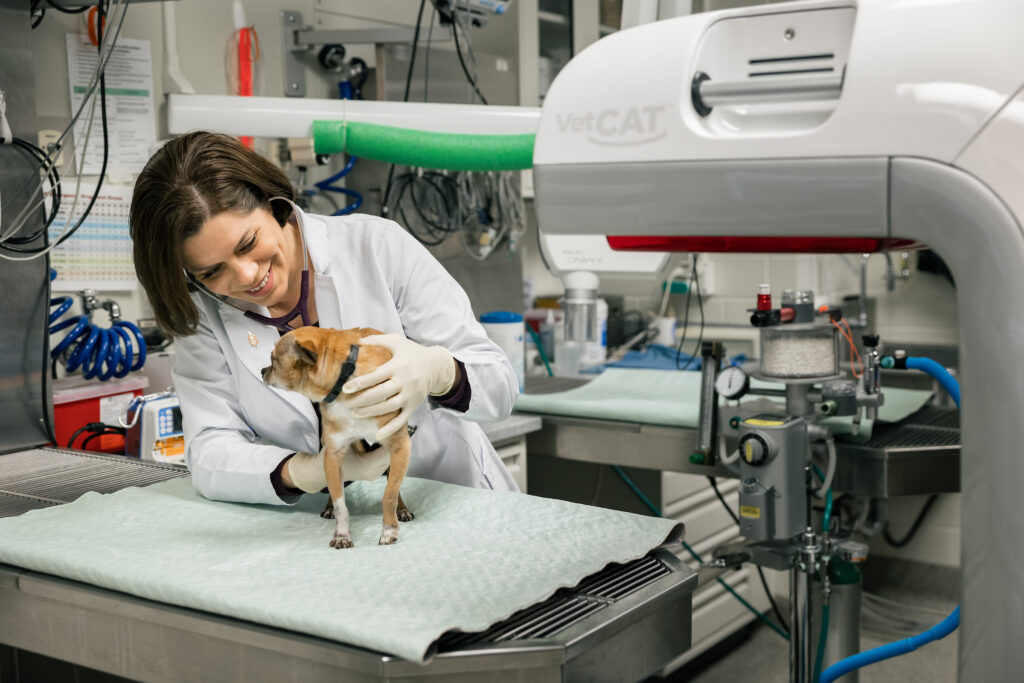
x: 732, y: 382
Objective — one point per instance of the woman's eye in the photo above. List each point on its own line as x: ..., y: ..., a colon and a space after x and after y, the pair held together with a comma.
x: 249, y: 245
x: 208, y: 274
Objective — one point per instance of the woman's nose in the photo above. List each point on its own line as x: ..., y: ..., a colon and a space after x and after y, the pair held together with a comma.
x: 246, y: 272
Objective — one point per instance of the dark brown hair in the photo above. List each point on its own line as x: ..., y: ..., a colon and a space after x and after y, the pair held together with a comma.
x: 191, y: 179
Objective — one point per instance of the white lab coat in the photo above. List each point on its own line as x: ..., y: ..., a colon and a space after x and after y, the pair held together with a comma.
x: 368, y: 272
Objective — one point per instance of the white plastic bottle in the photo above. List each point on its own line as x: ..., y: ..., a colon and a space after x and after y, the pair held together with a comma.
x: 596, y: 352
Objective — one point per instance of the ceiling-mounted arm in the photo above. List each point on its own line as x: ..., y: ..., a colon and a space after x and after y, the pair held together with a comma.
x: 298, y: 39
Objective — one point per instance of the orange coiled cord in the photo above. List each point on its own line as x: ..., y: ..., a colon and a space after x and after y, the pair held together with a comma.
x: 848, y: 335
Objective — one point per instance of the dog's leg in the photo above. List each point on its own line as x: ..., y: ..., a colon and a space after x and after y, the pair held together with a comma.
x: 404, y: 513
x: 333, y: 459
x: 399, y: 445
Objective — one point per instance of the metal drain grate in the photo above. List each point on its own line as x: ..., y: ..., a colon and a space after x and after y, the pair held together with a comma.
x: 49, y: 476
x: 12, y: 504
x: 929, y: 426
x: 566, y: 607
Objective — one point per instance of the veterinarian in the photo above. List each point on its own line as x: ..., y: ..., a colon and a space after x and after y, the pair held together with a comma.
x: 229, y: 263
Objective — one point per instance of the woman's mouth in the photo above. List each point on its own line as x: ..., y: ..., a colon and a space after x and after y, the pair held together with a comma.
x: 264, y: 286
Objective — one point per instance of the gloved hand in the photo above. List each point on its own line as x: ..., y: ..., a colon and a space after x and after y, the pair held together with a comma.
x: 306, y: 470
x: 403, y: 383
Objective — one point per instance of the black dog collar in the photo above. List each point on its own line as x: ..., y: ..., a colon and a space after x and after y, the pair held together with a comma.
x: 347, y: 369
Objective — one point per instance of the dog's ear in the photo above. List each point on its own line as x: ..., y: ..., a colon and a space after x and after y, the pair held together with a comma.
x: 306, y: 352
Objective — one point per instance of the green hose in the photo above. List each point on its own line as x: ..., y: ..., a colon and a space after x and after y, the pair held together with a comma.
x: 826, y: 518
x: 540, y: 349
x: 424, y: 149
x: 822, y: 636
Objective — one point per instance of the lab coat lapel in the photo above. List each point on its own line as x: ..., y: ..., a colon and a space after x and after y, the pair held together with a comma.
x: 328, y: 307
x: 328, y: 310
x: 252, y: 343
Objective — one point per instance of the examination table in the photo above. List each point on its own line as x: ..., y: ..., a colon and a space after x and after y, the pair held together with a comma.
x: 621, y: 622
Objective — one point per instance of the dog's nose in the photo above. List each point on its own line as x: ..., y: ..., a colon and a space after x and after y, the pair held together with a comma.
x: 264, y: 372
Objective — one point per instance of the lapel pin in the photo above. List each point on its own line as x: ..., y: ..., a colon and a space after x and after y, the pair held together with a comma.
x: 253, y: 341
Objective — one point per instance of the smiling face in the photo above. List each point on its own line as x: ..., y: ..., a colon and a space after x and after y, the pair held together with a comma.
x: 246, y: 256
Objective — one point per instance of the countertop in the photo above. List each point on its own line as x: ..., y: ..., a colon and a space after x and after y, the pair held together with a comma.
x: 516, y: 425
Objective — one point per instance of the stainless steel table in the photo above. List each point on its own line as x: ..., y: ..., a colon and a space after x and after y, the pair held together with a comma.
x: 622, y: 624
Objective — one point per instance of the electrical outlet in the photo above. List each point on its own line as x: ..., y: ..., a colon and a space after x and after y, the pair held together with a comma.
x: 706, y: 271
x: 526, y: 183
x: 47, y: 139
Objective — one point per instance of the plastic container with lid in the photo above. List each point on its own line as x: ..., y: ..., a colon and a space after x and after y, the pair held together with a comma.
x: 506, y: 330
x: 799, y: 352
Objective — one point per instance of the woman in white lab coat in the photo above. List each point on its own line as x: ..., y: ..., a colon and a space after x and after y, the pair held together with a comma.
x: 221, y: 251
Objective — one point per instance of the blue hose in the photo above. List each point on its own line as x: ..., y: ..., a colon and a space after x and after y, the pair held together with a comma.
x: 102, y: 353
x: 947, y: 625
x: 940, y: 373
x: 900, y: 647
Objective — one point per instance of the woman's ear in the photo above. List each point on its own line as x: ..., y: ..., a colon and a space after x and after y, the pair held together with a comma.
x: 281, y: 209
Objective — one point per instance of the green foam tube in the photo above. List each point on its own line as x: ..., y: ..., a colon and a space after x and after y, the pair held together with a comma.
x: 425, y: 149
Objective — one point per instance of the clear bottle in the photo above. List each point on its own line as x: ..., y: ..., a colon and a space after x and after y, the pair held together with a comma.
x: 547, y: 335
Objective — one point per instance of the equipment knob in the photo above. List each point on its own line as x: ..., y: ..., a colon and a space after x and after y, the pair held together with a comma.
x: 754, y: 449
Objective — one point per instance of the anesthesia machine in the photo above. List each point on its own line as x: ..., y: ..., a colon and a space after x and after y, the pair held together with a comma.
x: 825, y: 126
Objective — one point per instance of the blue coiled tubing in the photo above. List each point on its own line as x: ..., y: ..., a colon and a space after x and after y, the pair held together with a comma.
x: 101, y: 352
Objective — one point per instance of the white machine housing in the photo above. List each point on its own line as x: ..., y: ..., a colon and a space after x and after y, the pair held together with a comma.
x: 157, y: 434
x: 834, y: 125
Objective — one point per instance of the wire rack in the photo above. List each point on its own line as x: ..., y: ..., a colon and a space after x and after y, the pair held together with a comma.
x: 44, y: 477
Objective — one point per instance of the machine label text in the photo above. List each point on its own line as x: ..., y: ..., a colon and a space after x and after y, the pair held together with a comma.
x: 633, y: 126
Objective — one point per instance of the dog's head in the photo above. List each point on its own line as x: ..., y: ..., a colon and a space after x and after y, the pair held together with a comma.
x: 307, y: 360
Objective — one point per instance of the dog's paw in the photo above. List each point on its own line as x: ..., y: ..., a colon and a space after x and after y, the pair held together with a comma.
x: 388, y: 535
x: 328, y: 512
x: 405, y: 515
x: 341, y: 541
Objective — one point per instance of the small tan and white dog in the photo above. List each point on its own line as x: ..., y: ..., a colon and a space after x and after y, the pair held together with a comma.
x: 316, y: 363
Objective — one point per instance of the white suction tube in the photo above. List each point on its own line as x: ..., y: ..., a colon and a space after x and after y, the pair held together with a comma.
x: 289, y: 117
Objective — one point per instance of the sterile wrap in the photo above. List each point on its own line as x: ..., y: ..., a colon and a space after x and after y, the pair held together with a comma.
x: 471, y: 557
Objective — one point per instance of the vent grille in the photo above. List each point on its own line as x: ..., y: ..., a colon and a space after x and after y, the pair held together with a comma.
x: 12, y: 504
x: 789, y: 66
x: 43, y: 477
x: 930, y: 426
x: 567, y: 606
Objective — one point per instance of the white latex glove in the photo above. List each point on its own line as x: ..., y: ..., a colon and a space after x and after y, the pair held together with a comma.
x: 403, y: 383
x: 307, y: 471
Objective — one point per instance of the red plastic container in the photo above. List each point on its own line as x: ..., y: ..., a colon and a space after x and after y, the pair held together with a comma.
x: 78, y: 401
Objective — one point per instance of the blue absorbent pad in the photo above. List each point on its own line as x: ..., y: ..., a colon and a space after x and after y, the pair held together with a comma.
x: 672, y: 398
x: 471, y: 557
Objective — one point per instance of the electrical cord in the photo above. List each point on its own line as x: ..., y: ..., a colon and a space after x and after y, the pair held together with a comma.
x: 760, y: 573
x: 65, y: 10
x: 657, y: 513
x: 105, y: 45
x: 56, y: 193
x: 36, y: 252
x: 462, y: 62
x: 95, y: 429
x: 385, y: 208
x: 426, y: 204
x: 36, y: 13
x: 695, y: 285
x: 909, y: 536
x: 426, y: 67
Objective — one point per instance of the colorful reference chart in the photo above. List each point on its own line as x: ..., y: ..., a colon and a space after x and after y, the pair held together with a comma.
x: 99, y: 254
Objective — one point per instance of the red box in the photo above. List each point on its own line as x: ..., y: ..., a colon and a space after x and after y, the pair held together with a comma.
x: 78, y: 401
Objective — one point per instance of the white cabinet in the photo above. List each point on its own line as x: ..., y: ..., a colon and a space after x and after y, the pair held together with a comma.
x: 513, y: 454
x: 551, y: 32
